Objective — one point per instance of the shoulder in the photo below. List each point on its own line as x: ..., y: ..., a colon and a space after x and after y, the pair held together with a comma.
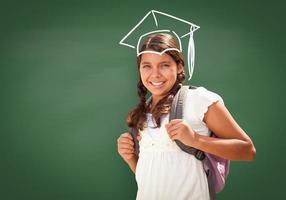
x: 202, y: 94
x: 200, y: 99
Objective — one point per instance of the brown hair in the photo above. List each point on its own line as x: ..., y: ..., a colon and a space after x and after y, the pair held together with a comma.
x: 137, y: 117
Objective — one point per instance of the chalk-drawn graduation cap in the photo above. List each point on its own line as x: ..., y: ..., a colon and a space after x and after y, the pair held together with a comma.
x: 159, y: 22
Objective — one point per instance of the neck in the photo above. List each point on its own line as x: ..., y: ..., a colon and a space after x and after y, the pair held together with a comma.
x: 153, y: 102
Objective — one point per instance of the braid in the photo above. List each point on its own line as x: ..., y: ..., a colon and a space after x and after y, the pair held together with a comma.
x: 137, y: 117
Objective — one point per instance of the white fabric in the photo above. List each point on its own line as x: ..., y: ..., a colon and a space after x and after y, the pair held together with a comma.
x: 164, y: 171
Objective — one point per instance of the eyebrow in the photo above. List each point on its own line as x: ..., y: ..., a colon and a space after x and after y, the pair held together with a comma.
x: 163, y: 62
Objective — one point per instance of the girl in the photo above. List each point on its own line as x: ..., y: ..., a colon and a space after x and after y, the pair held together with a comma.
x: 162, y: 170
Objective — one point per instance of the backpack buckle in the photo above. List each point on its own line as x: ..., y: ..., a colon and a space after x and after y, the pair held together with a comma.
x: 200, y: 155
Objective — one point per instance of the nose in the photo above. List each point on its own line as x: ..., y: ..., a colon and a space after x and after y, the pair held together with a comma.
x: 155, y: 72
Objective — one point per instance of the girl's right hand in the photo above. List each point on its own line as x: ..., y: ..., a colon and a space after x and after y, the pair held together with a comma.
x: 125, y: 146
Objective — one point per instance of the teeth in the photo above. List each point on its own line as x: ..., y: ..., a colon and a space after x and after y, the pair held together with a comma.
x: 160, y: 83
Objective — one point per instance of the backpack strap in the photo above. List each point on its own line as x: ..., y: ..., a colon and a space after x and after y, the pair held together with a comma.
x: 177, y: 113
x: 134, y: 134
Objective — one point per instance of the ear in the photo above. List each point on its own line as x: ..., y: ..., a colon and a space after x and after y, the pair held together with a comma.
x: 180, y: 68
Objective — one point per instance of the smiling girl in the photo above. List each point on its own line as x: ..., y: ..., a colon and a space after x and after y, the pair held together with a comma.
x: 162, y: 170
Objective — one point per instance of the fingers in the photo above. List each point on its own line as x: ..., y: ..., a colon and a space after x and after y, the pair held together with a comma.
x: 172, y: 127
x: 125, y: 143
x: 173, y: 135
x: 125, y: 138
x: 124, y: 148
x: 174, y: 122
x: 127, y: 135
x: 126, y: 151
x: 173, y: 130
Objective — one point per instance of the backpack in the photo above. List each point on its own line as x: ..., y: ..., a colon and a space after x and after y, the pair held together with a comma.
x: 216, y: 168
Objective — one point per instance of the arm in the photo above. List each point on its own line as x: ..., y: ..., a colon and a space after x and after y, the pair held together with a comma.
x: 232, y: 142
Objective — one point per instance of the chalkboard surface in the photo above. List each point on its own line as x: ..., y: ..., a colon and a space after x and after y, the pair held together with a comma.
x: 66, y: 87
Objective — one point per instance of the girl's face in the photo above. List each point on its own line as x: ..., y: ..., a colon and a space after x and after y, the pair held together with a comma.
x: 158, y: 73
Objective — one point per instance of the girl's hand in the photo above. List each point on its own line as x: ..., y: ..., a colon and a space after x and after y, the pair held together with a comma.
x: 179, y: 129
x: 125, y: 146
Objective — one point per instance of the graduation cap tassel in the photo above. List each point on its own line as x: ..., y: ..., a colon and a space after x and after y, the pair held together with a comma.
x: 191, y: 55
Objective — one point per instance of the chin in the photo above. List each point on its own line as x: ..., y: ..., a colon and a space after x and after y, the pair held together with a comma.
x: 158, y: 93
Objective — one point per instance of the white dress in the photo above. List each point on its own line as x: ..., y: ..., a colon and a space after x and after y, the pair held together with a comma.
x: 164, y: 171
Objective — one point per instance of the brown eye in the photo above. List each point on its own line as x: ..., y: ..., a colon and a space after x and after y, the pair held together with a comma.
x: 165, y: 66
x: 146, y: 66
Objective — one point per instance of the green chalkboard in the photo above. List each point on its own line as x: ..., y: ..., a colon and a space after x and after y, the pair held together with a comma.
x: 66, y: 87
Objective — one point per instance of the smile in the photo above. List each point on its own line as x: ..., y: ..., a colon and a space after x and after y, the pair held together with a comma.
x: 157, y: 84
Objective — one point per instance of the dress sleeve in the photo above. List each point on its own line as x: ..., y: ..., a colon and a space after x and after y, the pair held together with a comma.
x: 205, y: 99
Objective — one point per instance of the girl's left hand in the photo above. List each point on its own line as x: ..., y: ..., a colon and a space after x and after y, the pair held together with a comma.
x: 179, y: 129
